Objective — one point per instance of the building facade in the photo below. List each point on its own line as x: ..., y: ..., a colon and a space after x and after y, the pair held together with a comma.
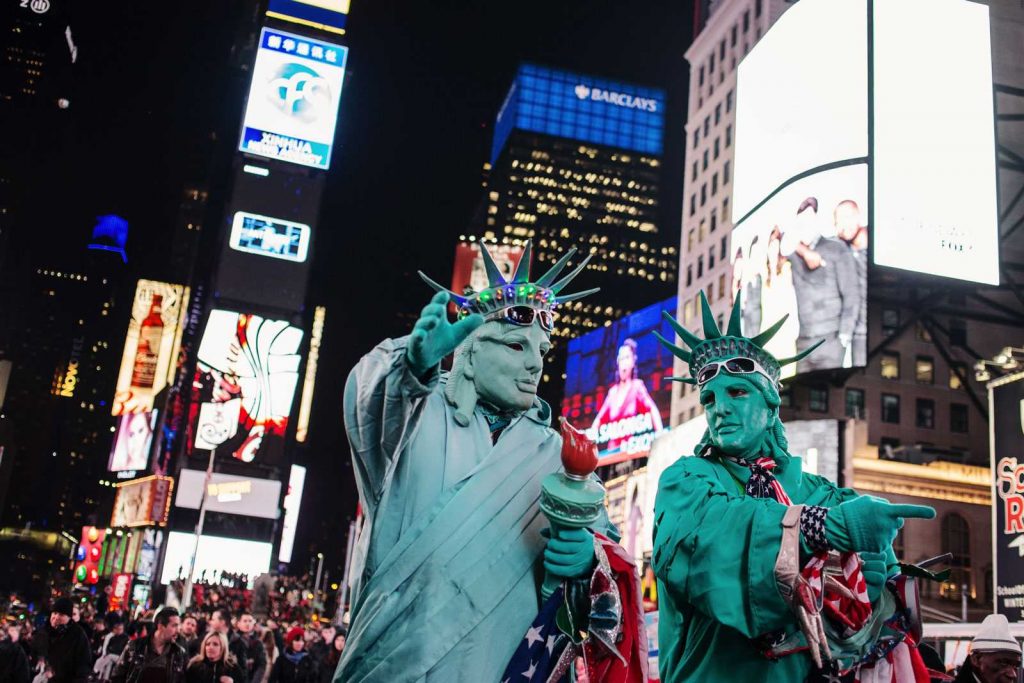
x: 576, y: 162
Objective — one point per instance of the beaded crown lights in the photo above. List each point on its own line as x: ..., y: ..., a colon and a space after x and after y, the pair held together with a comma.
x: 719, y: 347
x: 543, y: 295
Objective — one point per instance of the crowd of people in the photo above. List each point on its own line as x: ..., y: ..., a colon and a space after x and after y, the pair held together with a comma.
x: 78, y: 644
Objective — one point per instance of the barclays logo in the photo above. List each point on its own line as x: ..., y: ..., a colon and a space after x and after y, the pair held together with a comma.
x: 584, y: 92
x: 300, y: 92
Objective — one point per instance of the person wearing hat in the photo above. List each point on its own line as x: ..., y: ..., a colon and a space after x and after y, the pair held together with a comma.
x: 994, y: 656
x: 64, y: 646
x: 295, y: 665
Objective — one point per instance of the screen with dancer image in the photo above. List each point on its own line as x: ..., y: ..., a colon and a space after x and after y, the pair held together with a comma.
x: 253, y: 362
x: 618, y: 384
x: 803, y: 253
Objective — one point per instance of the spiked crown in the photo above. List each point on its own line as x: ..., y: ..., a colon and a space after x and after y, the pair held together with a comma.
x: 717, y: 346
x: 544, y: 294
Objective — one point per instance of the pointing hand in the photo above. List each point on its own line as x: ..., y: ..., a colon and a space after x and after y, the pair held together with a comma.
x: 869, y: 524
x: 433, y: 337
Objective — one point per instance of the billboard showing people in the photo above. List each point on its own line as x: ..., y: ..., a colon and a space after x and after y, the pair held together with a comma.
x: 132, y: 443
x: 617, y: 380
x: 804, y: 253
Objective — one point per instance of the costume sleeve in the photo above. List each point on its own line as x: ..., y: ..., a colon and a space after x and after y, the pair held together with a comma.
x: 716, y: 551
x: 849, y: 289
x: 381, y: 405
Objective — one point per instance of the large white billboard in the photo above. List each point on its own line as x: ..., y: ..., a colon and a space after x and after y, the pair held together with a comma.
x: 293, y: 99
x: 934, y: 140
x: 801, y: 98
x: 216, y: 555
x: 248, y: 496
x: 292, y: 503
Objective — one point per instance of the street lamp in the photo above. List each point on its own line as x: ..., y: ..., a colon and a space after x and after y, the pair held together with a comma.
x: 217, y: 423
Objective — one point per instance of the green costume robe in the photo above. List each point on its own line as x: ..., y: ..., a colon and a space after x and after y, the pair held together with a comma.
x: 714, y: 555
x: 448, y: 566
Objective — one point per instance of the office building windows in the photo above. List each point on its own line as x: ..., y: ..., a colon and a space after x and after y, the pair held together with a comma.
x: 855, y: 403
x: 722, y: 252
x: 728, y: 101
x: 714, y: 219
x: 924, y: 370
x: 925, y: 413
x: 721, y: 287
x: 728, y: 136
x: 689, y: 275
x: 956, y: 371
x: 704, y: 166
x: 693, y: 204
x: 700, y: 267
x: 890, y: 365
x: 958, y: 418
x: 725, y: 173
x: 817, y: 398
x: 732, y: 39
x: 703, y: 194
x: 718, y: 113
x: 714, y: 184
x: 701, y: 77
x: 891, y: 408
x: 890, y: 321
x: 716, y: 147
x: 693, y: 174
x: 746, y: 23
x: 711, y: 258
x: 696, y: 137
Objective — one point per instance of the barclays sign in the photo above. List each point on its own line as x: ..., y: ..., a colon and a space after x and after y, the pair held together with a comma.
x: 585, y: 92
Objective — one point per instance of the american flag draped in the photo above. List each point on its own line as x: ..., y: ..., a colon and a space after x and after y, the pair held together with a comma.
x: 538, y: 654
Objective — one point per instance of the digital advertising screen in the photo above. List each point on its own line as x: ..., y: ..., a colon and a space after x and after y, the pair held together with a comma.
x: 936, y: 207
x: 253, y: 361
x: 618, y: 384
x: 293, y: 99
x: 1005, y: 398
x: 793, y: 113
x: 150, y: 346
x: 269, y: 237
x: 247, y: 496
x: 292, y: 505
x: 217, y: 554
x: 804, y: 253
x: 270, y: 223
x: 581, y: 107
x: 326, y: 15
x: 469, y: 270
x: 132, y: 443
x: 142, y: 502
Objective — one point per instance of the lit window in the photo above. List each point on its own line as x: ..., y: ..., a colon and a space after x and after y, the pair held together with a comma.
x: 890, y: 365
x: 924, y: 370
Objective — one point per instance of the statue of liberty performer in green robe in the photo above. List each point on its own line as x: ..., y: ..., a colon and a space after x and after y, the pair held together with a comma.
x: 449, y: 564
x: 745, y: 542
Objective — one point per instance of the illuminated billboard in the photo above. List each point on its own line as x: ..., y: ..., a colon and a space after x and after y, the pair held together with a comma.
x: 934, y: 206
x: 293, y: 99
x: 247, y: 496
x: 316, y: 336
x: 326, y: 15
x: 150, y: 346
x: 586, y: 108
x: 270, y: 237
x: 271, y: 222
x: 804, y: 254
x: 132, y: 443
x: 469, y: 270
x: 255, y: 361
x: 936, y: 209
x: 618, y: 383
x: 216, y: 554
x: 292, y: 505
x: 142, y: 502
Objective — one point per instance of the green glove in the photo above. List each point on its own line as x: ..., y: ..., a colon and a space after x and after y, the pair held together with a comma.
x: 433, y: 337
x: 873, y: 567
x: 869, y: 524
x: 570, y: 553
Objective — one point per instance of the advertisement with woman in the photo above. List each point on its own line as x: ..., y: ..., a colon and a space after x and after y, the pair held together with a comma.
x: 617, y: 380
x: 804, y: 253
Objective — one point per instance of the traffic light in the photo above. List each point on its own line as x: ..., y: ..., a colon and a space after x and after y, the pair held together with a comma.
x: 87, y: 557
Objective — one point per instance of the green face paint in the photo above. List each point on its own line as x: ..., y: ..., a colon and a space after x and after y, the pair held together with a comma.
x: 507, y: 364
x: 737, y: 414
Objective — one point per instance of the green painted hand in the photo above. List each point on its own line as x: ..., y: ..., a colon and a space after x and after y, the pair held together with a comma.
x: 869, y: 524
x: 570, y: 553
x: 873, y: 568
x: 433, y: 337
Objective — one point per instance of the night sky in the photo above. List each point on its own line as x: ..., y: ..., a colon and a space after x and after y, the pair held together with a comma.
x: 424, y: 83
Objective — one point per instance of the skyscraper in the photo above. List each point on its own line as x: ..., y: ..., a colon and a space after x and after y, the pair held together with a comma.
x: 576, y: 162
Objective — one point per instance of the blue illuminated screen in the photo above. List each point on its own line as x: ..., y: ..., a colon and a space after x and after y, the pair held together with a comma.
x: 579, y: 107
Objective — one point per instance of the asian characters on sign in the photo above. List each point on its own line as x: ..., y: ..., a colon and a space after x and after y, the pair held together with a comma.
x: 804, y: 253
x: 253, y: 361
x: 616, y: 378
x: 293, y: 99
x: 151, y: 345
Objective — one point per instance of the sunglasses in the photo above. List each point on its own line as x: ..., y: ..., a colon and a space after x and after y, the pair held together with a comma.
x: 524, y: 316
x: 734, y: 366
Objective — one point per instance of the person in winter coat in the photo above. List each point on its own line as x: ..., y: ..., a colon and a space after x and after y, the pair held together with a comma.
x: 214, y: 663
x: 295, y: 665
x: 64, y: 646
x: 13, y: 662
x: 995, y: 655
x: 329, y: 661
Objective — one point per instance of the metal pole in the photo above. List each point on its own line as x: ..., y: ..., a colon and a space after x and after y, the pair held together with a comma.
x: 963, y: 602
x: 186, y: 600
x: 339, y: 615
